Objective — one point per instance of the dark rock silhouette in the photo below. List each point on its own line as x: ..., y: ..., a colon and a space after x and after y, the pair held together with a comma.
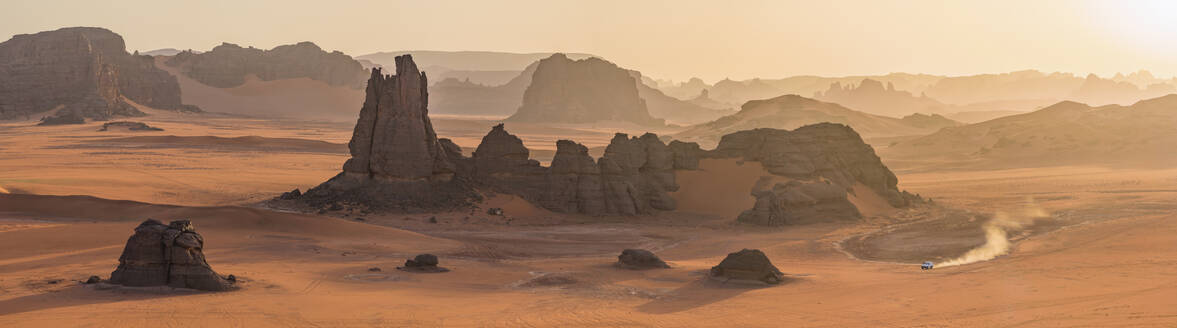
x: 747, y: 265
x: 793, y: 111
x: 228, y: 64
x: 80, y: 72
x: 639, y: 259
x: 167, y: 255
x: 633, y: 177
x: 590, y: 90
x: 130, y: 126
x: 423, y: 263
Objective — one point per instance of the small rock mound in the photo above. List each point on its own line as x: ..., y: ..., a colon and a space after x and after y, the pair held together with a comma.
x: 167, y: 255
x: 129, y: 126
x: 63, y: 119
x: 747, y: 265
x: 424, y: 263
x: 640, y: 259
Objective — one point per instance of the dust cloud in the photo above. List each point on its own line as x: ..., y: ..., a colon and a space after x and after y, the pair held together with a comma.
x: 997, y: 234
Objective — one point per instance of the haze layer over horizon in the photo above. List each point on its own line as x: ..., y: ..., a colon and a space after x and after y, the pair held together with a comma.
x: 670, y: 39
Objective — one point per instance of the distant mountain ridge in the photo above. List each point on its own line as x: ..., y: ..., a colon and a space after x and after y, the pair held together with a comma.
x: 488, y: 68
x: 1020, y: 91
x: 1066, y: 133
x: 793, y: 111
x: 228, y: 65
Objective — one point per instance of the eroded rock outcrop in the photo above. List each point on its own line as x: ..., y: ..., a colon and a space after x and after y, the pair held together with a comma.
x: 819, y: 165
x: 397, y: 162
x: 633, y: 177
x: 228, y: 64
x: 167, y: 255
x: 589, y: 90
x: 81, y: 72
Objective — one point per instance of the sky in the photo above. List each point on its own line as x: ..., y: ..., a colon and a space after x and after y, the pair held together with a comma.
x: 675, y: 40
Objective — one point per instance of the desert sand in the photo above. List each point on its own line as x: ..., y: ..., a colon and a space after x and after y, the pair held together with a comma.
x: 72, y: 195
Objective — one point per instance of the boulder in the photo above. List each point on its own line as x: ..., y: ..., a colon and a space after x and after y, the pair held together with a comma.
x: 747, y: 265
x: 638, y: 259
x: 167, y: 255
x: 423, y: 263
x: 634, y: 176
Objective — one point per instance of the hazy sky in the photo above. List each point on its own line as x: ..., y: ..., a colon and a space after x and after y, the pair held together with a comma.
x: 668, y: 39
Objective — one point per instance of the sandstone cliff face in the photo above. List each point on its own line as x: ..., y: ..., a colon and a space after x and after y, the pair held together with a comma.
x: 227, y: 65
x: 582, y: 91
x: 83, y: 72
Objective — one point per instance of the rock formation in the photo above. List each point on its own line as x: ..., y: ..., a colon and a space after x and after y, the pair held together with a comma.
x: 129, y: 126
x: 227, y: 65
x: 423, y: 263
x: 819, y: 164
x: 640, y: 259
x: 747, y: 265
x: 582, y: 91
x: 81, y: 72
x: 167, y: 255
x: 633, y: 177
x: 397, y: 162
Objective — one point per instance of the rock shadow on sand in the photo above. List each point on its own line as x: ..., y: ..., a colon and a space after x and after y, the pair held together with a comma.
x: 82, y: 295
x: 703, y: 292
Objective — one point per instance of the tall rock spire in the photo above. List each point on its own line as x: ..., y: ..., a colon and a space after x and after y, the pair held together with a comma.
x: 393, y: 137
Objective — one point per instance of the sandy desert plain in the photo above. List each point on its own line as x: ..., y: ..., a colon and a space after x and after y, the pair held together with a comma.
x: 1104, y: 256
